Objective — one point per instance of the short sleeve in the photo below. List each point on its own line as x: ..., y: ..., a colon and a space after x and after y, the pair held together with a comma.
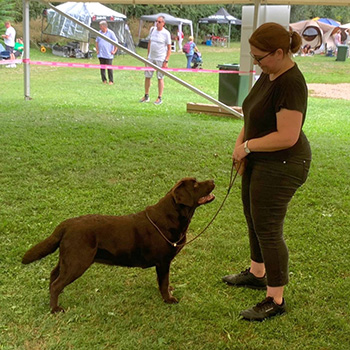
x: 292, y: 94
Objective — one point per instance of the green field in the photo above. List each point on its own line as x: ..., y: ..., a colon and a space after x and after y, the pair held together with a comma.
x: 82, y: 147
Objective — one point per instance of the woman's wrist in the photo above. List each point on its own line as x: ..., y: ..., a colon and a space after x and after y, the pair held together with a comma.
x: 246, y: 148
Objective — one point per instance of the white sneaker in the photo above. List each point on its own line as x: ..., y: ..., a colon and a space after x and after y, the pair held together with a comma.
x: 158, y: 101
x: 145, y: 99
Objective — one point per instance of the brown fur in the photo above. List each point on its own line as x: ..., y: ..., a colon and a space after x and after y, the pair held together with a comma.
x: 129, y: 240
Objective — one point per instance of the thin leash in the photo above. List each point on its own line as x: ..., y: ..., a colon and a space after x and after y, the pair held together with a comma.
x: 176, y: 244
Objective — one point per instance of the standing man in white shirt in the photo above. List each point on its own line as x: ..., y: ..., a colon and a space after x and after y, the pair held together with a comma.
x: 159, y: 50
x: 9, y: 37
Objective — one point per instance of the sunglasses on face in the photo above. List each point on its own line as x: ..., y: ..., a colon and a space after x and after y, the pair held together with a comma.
x: 259, y: 59
x: 159, y: 21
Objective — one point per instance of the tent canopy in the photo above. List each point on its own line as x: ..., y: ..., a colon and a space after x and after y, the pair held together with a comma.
x: 330, y: 21
x: 169, y: 19
x: 221, y: 17
x: 96, y: 10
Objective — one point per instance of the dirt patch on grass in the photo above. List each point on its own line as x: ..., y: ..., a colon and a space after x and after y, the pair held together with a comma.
x: 340, y: 91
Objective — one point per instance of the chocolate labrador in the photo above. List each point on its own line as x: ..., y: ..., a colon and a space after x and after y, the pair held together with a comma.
x: 149, y: 238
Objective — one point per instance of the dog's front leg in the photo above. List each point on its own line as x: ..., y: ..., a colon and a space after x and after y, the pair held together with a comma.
x: 163, y: 283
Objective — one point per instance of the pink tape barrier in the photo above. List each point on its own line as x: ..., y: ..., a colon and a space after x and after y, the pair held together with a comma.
x: 132, y: 68
x: 10, y: 61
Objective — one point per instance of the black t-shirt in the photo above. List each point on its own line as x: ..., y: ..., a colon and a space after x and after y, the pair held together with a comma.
x: 266, y: 98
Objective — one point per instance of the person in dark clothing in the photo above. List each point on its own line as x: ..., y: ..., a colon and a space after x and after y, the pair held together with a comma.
x: 274, y: 156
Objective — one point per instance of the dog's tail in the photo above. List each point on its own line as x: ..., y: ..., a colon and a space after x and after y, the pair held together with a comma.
x: 45, y: 247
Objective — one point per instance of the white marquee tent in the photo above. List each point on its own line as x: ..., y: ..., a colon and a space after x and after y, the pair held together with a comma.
x: 89, y: 13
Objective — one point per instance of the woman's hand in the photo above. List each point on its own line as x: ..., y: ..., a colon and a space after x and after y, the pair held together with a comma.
x: 239, y: 153
x: 239, y: 159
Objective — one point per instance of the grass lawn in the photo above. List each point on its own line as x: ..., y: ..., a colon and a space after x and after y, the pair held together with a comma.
x: 82, y: 147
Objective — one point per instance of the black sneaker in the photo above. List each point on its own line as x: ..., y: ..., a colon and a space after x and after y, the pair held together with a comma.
x: 267, y: 308
x: 246, y: 279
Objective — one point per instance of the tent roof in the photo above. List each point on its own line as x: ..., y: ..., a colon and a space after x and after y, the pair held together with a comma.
x: 222, y: 2
x: 93, y: 8
x: 222, y: 16
x: 302, y: 25
x: 168, y: 19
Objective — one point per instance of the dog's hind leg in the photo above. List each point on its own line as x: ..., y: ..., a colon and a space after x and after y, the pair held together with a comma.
x: 54, y: 273
x: 68, y: 271
x: 163, y: 282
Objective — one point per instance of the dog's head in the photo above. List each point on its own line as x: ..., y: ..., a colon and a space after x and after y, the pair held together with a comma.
x: 192, y: 193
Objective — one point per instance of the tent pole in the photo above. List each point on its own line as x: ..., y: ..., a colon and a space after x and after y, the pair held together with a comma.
x: 26, y: 55
x: 140, y: 26
x: 255, y: 25
x: 148, y: 63
x: 229, y: 34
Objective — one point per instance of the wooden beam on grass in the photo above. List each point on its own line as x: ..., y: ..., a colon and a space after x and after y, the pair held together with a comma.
x: 209, y: 109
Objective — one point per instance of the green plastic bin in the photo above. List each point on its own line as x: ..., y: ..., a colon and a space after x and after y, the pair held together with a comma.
x: 342, y: 52
x: 233, y: 88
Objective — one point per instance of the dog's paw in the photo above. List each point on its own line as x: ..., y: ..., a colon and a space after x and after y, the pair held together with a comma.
x: 171, y: 300
x: 57, y: 309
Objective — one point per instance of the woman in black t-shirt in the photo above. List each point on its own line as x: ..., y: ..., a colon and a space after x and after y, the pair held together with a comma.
x: 274, y: 157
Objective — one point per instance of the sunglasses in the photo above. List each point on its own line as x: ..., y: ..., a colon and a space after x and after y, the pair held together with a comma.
x: 259, y: 59
x: 159, y: 21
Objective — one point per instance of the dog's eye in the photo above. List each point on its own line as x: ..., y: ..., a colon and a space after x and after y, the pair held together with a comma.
x: 195, y: 185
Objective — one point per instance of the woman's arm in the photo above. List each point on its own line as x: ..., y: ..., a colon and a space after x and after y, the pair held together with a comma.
x: 240, y: 138
x: 288, y: 130
x: 238, y: 163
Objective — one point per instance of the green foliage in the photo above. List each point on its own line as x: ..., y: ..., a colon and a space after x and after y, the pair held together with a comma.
x: 12, y: 9
x: 303, y: 12
x: 7, y: 11
x: 83, y: 147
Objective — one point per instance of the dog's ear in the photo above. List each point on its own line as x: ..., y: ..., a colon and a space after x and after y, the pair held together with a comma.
x: 182, y: 195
